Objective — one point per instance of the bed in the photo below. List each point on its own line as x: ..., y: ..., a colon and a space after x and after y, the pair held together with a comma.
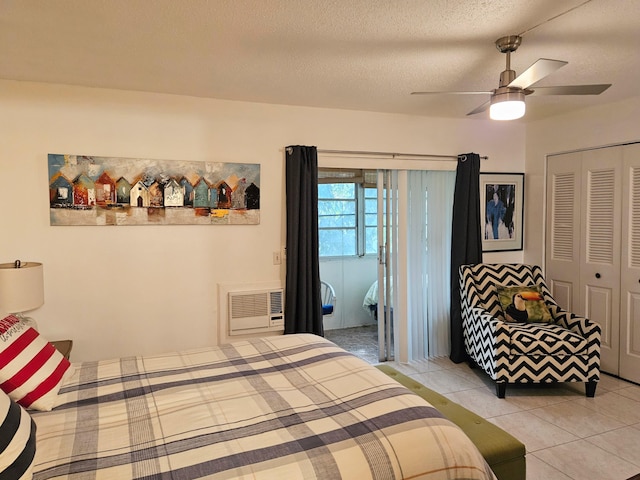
x: 370, y: 302
x: 285, y: 407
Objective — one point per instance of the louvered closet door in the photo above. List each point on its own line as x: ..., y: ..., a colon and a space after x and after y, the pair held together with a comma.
x: 562, y: 270
x: 630, y: 269
x: 600, y: 247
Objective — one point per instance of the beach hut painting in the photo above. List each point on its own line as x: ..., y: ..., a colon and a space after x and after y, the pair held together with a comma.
x: 90, y: 190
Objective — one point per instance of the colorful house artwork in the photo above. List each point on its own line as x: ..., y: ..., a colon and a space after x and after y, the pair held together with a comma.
x: 213, y: 197
x: 123, y: 191
x: 60, y: 191
x: 187, y: 190
x: 84, y: 191
x: 139, y: 195
x: 201, y: 194
x: 223, y: 194
x: 173, y: 194
x: 156, y: 194
x: 252, y: 194
x: 238, y: 195
x: 151, y: 191
x: 105, y: 190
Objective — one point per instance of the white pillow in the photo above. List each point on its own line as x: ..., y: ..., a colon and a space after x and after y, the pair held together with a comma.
x: 31, y: 369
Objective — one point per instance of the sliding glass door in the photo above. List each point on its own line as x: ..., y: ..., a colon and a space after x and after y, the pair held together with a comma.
x: 386, y: 232
x: 402, y: 218
x: 414, y: 234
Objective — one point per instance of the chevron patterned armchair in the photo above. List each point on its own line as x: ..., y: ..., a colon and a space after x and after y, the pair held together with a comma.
x: 567, y: 349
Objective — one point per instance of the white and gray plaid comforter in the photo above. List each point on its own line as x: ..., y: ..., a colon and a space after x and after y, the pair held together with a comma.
x: 288, y: 407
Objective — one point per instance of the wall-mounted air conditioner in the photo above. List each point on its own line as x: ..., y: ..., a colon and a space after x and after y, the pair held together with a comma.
x: 256, y: 311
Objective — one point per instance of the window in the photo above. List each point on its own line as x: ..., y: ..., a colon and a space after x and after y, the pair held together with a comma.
x: 337, y: 219
x: 371, y: 220
x: 347, y: 212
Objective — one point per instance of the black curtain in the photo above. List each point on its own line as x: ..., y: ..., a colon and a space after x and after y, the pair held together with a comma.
x: 303, y: 305
x: 466, y: 244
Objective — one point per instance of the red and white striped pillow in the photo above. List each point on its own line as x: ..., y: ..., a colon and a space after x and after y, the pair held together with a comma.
x: 31, y: 369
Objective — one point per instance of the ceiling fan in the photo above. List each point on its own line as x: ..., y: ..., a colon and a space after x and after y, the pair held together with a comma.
x: 507, y: 101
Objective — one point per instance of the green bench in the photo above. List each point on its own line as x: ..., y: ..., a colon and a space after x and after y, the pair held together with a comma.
x: 503, y: 452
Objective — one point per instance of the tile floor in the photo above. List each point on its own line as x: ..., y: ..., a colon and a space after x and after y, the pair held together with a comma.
x: 361, y: 341
x: 567, y: 435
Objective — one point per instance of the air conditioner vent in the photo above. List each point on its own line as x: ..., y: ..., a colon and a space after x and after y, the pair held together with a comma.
x: 256, y: 311
x: 276, y: 302
x: 249, y: 305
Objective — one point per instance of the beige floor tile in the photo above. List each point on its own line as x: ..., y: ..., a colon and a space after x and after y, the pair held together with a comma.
x: 624, y: 442
x: 477, y: 377
x: 632, y: 392
x: 539, y: 470
x: 443, y: 381
x: 577, y: 419
x: 531, y: 396
x: 610, y: 383
x: 480, y: 378
x: 484, y: 402
x: 445, y: 362
x: 582, y: 460
x: 533, y: 431
x: 614, y: 405
x: 416, y: 366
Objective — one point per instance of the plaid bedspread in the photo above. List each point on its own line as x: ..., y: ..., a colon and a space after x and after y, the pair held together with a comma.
x: 288, y: 407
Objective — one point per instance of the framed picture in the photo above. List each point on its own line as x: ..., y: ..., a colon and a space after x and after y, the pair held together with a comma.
x: 90, y: 190
x: 501, y: 211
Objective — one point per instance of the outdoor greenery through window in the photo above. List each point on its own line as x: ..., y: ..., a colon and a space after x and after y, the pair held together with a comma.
x: 347, y: 212
x: 371, y: 220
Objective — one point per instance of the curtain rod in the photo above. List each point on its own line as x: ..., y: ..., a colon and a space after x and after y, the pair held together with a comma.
x: 393, y: 154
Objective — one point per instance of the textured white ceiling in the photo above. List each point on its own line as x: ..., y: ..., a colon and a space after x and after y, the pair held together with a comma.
x: 349, y: 54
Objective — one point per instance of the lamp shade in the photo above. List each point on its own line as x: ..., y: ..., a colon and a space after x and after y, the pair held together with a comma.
x: 507, y: 105
x: 21, y: 288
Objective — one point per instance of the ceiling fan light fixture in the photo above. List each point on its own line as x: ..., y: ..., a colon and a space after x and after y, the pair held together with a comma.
x: 507, y: 106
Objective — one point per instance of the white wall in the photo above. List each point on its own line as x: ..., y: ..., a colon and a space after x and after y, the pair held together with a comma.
x: 351, y: 278
x: 594, y: 127
x: 90, y: 296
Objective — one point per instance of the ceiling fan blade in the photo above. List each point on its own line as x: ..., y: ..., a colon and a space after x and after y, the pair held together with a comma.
x: 451, y: 93
x: 536, y: 72
x: 481, y: 108
x: 572, y: 90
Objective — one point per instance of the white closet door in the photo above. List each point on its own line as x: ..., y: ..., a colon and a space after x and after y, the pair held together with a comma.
x: 630, y: 271
x: 562, y: 270
x: 600, y: 247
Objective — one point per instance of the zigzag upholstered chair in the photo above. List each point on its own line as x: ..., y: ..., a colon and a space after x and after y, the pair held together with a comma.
x: 564, y: 350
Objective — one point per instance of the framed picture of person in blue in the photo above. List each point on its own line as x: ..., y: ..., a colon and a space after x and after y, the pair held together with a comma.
x: 501, y: 211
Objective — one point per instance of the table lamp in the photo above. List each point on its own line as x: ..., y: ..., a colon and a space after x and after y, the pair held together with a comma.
x: 21, y: 289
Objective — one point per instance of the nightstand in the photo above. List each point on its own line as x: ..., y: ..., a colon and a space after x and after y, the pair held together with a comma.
x: 64, y: 347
